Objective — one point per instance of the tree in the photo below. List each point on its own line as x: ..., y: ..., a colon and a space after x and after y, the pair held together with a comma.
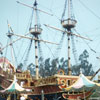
x: 20, y: 67
x: 50, y: 67
x: 41, y: 67
x: 84, y: 65
x: 31, y: 68
x: 62, y: 64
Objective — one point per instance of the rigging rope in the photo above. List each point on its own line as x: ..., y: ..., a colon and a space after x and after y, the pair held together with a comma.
x: 6, y: 48
x: 6, y: 52
x: 86, y: 43
x: 10, y: 38
x: 60, y: 45
x: 89, y: 10
x: 15, y: 56
x: 71, y: 9
x: 63, y: 14
x: 27, y: 55
x: 21, y: 45
x: 54, y: 55
x: 56, y: 16
x: 31, y: 19
x: 41, y: 59
x: 50, y: 50
x: 24, y: 54
x: 74, y: 49
x: 40, y: 50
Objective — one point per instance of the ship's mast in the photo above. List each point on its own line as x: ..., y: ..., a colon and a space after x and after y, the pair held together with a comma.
x: 36, y: 30
x: 68, y: 24
x: 9, y: 34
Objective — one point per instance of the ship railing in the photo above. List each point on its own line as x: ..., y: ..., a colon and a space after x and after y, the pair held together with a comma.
x: 6, y: 74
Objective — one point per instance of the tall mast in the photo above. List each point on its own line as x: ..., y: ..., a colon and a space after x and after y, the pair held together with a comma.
x: 36, y: 30
x: 68, y: 9
x: 9, y: 34
x: 68, y: 23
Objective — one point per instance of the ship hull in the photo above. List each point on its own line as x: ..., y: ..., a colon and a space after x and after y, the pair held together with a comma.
x: 53, y: 92
x: 62, y: 96
x: 52, y: 86
x: 56, y: 96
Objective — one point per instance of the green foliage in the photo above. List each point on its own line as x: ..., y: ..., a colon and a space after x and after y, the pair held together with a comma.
x: 84, y: 65
x: 20, y: 66
x: 31, y: 68
x: 50, y: 67
x: 63, y: 65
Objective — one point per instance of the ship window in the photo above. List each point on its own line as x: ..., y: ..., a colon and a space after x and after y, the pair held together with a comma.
x: 68, y: 82
x: 31, y: 84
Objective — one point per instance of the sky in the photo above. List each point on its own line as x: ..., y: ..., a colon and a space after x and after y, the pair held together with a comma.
x: 86, y: 13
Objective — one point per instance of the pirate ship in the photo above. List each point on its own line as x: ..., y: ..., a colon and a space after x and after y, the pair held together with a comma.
x: 51, y: 87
